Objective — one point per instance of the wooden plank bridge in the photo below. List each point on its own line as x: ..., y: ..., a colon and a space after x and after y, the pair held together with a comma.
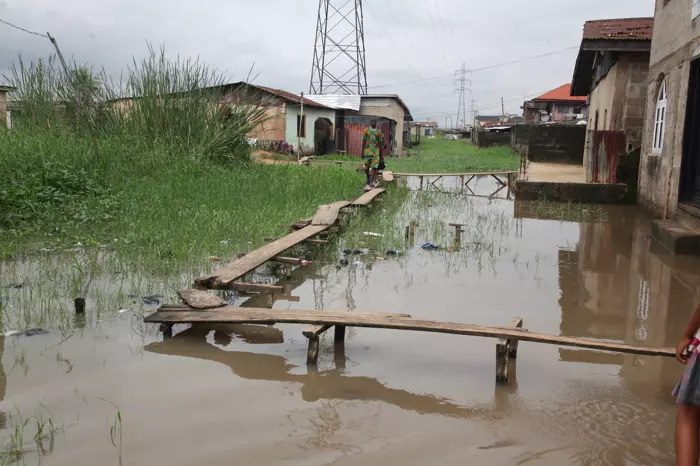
x: 202, y: 307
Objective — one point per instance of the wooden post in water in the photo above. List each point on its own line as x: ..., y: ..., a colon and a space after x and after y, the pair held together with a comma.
x: 412, y: 228
x: 421, y: 183
x: 506, y: 349
x: 314, y: 334
x: 339, y: 334
x: 458, y: 232
x: 79, y: 305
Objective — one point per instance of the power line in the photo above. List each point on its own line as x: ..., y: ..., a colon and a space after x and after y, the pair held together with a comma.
x: 407, y: 37
x: 432, y: 23
x: 497, y: 104
x: 22, y: 29
x: 386, y: 33
x: 479, y: 69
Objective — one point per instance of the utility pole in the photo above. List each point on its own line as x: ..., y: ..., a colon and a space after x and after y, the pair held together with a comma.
x: 301, y: 127
x: 503, y: 111
x: 462, y: 88
x: 338, y: 65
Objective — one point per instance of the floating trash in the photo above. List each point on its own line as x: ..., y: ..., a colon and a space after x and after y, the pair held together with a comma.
x: 393, y: 252
x: 371, y: 233
x: 430, y: 247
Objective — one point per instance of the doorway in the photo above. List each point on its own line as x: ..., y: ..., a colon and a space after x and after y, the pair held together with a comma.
x: 690, y: 167
x: 323, y: 136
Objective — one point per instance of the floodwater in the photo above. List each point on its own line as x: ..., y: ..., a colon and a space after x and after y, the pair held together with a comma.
x: 244, y: 394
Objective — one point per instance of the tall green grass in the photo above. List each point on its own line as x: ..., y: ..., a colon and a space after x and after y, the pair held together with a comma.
x: 171, y: 177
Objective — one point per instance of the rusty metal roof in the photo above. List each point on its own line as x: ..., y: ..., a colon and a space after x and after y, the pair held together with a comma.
x: 619, y: 29
x: 289, y: 97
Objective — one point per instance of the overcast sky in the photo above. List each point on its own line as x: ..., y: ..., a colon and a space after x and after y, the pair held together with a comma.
x: 405, y: 40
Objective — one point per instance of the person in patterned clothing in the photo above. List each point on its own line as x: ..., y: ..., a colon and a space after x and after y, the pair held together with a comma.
x: 372, y: 144
x: 687, y: 393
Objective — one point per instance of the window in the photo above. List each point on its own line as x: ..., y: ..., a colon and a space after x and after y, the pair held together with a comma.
x: 301, y: 126
x: 578, y: 110
x: 696, y: 9
x: 660, y: 118
x: 564, y: 109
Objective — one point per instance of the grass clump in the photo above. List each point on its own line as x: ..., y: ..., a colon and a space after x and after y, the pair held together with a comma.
x: 436, y: 155
x: 165, y: 174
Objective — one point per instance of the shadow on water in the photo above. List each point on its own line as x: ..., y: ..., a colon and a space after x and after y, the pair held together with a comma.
x: 315, y: 385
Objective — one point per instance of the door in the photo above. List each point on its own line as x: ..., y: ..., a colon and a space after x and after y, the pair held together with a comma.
x: 690, y: 178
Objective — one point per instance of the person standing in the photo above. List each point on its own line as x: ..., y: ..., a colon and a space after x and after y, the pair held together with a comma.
x: 372, y: 145
x: 687, y: 393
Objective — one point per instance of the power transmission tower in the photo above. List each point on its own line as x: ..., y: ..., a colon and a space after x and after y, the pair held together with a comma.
x: 463, y: 86
x: 338, y: 65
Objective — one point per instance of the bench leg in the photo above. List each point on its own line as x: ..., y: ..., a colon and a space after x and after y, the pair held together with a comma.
x: 312, y: 354
x: 339, y: 333
x: 502, y: 362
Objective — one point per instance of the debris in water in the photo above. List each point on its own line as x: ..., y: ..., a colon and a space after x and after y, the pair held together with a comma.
x: 371, y: 233
x: 429, y: 247
x: 28, y: 333
x: 122, y: 311
x: 393, y: 252
x: 304, y: 262
x: 355, y: 252
x: 224, y: 241
x: 152, y: 299
x: 344, y: 262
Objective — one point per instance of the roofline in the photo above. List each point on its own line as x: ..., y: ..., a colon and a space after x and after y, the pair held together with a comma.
x: 390, y: 96
x: 4, y: 88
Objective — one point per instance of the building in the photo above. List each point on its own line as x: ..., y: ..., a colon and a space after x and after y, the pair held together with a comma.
x: 669, y: 174
x: 611, y: 70
x: 426, y: 128
x: 310, y: 132
x: 5, y: 114
x: 354, y: 113
x: 557, y: 105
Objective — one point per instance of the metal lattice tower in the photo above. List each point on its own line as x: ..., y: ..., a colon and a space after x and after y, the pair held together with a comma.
x: 338, y: 65
x: 463, y: 86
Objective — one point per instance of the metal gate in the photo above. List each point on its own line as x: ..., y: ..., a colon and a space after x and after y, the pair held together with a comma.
x: 604, y: 151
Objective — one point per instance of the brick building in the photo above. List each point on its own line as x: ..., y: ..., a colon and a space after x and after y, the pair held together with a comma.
x: 555, y: 106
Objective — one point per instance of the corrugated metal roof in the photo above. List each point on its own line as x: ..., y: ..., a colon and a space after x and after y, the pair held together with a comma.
x: 619, y: 29
x: 288, y: 96
x: 347, y: 102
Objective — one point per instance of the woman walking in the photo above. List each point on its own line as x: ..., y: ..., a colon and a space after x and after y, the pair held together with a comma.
x: 372, y: 144
x: 687, y: 393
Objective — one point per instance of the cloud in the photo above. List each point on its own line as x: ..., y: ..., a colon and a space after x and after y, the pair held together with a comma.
x: 405, y: 40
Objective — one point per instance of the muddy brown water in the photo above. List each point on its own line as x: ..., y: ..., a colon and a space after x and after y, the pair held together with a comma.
x: 244, y: 395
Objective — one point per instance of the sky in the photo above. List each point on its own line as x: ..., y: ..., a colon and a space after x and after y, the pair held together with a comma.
x: 405, y: 40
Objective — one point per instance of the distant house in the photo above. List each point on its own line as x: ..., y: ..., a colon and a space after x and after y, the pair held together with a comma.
x: 611, y: 70
x: 557, y: 105
x: 427, y: 128
x: 5, y: 114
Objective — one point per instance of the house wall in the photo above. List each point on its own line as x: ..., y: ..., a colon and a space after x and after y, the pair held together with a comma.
x: 550, y: 143
x: 620, y: 100
x: 274, y: 126
x: 3, y: 109
x: 676, y: 38
x: 305, y: 144
x: 387, y: 108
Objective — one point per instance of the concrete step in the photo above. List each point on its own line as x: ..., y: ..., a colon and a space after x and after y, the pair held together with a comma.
x: 676, y: 237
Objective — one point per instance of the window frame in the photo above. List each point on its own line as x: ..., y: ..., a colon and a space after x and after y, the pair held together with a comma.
x: 660, y: 114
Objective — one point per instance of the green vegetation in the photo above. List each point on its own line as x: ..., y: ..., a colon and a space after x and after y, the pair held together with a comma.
x: 437, y: 155
x: 165, y: 177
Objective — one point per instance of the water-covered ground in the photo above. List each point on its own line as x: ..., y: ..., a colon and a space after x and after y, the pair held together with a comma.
x: 106, y: 388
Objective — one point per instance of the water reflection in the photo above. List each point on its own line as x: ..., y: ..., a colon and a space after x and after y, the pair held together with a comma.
x: 315, y: 385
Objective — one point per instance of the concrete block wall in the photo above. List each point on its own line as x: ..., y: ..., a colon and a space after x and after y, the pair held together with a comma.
x: 550, y: 143
x: 676, y: 38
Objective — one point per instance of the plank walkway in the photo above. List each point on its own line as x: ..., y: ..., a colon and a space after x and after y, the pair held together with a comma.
x: 368, y: 197
x: 325, y: 217
x: 495, y: 173
x: 232, y: 315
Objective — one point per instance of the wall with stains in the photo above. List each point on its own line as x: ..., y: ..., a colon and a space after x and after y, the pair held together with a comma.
x: 619, y: 100
x: 676, y: 38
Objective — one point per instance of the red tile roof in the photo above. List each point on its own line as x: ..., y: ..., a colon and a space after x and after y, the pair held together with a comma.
x: 619, y: 29
x: 560, y: 94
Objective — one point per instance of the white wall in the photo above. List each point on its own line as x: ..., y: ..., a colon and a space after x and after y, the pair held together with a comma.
x: 312, y: 114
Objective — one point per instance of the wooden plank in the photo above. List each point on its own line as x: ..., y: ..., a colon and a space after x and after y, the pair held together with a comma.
x: 353, y: 319
x: 200, y: 299
x: 328, y: 214
x: 224, y: 276
x: 256, y: 287
x: 299, y: 224
x: 458, y: 174
x: 287, y: 260
x: 316, y: 241
x: 315, y: 331
x: 387, y: 176
x: 368, y: 197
